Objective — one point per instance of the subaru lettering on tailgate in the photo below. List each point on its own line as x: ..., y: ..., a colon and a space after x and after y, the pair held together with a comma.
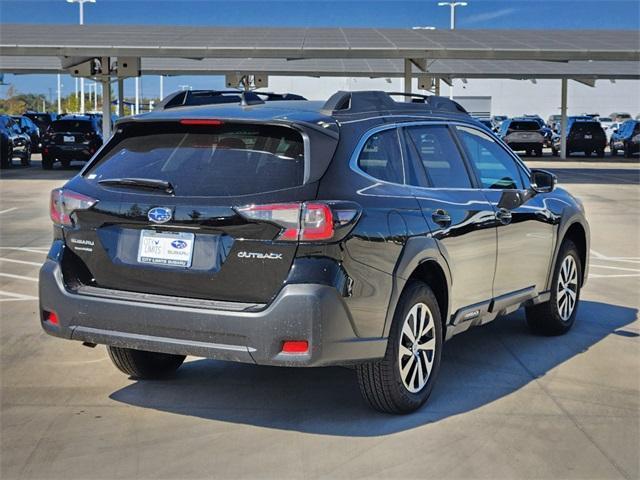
x: 159, y: 214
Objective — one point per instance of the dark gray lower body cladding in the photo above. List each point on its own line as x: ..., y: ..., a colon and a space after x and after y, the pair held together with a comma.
x: 311, y: 312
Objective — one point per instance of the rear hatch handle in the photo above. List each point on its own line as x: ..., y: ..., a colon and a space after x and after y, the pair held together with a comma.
x: 140, y: 183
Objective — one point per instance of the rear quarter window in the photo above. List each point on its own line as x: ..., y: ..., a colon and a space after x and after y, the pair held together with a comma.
x: 225, y: 160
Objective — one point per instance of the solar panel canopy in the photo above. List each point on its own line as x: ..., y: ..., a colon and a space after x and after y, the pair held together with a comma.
x: 525, y: 69
x: 316, y: 43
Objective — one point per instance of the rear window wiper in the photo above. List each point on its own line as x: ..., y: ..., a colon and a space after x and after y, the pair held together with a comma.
x: 140, y: 183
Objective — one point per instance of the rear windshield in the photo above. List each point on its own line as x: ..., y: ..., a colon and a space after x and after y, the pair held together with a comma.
x: 41, y: 119
x: 71, y: 126
x: 580, y: 127
x: 522, y: 125
x: 215, y: 160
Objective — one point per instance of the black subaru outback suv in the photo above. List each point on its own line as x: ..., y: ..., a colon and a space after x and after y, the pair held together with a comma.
x: 361, y: 231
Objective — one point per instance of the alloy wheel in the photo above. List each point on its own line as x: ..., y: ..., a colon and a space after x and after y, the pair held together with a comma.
x: 567, y: 293
x: 417, y: 348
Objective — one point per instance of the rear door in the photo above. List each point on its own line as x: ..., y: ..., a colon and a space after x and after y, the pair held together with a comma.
x: 525, y: 234
x: 459, y: 215
x: 190, y: 240
x: 71, y: 133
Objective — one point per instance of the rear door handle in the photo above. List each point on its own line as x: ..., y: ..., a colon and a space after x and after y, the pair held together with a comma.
x: 504, y: 216
x: 441, y: 217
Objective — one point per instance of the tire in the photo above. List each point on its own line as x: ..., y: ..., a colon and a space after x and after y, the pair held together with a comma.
x: 614, y: 152
x: 144, y: 365
x: 551, y: 318
x: 554, y: 152
x: 627, y: 151
x: 587, y: 153
x: 601, y: 153
x: 539, y: 152
x: 66, y: 163
x: 47, y: 162
x: 381, y: 382
x: 26, y: 160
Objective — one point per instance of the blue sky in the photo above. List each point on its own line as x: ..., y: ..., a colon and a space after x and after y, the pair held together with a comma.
x: 538, y: 14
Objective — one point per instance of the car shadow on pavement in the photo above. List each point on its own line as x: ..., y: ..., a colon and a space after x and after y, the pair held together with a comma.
x: 479, y: 367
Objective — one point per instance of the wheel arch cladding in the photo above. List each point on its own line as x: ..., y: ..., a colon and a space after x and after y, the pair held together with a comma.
x: 576, y: 233
x: 431, y: 273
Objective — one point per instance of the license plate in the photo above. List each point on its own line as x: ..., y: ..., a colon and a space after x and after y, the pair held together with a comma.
x: 68, y: 139
x: 588, y: 137
x: 171, y: 249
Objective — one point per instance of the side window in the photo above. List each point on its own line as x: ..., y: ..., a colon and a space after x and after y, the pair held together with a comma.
x: 381, y: 158
x: 494, y: 166
x: 434, y: 150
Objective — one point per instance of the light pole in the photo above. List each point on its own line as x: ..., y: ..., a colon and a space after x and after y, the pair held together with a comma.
x: 81, y: 4
x: 452, y: 6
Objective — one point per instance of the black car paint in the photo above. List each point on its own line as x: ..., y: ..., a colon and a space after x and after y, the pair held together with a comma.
x: 626, y: 138
x: 82, y: 148
x: 30, y: 128
x: 13, y: 142
x: 394, y: 236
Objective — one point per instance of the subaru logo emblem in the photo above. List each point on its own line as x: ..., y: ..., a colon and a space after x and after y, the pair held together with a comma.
x: 159, y: 215
x: 179, y: 244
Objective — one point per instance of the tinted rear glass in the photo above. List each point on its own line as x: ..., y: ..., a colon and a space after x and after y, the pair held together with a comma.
x: 226, y: 160
x: 72, y: 126
x: 582, y: 127
x: 524, y: 125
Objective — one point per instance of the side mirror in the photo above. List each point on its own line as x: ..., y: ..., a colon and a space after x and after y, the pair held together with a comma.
x: 543, y: 181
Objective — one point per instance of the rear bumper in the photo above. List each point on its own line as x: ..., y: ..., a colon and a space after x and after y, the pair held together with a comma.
x: 311, y: 312
x: 81, y: 153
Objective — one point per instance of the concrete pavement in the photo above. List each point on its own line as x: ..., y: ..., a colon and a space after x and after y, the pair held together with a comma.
x: 508, y: 404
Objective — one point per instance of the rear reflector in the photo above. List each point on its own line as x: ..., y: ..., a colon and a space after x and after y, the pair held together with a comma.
x: 51, y: 318
x: 199, y: 121
x: 295, y: 346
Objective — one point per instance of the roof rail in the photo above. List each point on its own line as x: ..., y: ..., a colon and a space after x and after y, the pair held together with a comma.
x: 373, y: 100
x: 184, y: 98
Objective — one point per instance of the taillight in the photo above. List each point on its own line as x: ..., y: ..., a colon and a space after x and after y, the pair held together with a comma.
x: 299, y: 221
x: 317, y: 222
x: 65, y: 202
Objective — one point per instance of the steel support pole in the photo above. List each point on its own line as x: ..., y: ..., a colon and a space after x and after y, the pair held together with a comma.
x: 437, y: 86
x: 137, y: 110
x: 106, y: 102
x: 161, y: 87
x: 59, y: 96
x: 120, y: 97
x: 563, y: 119
x: 82, y: 96
x: 407, y: 77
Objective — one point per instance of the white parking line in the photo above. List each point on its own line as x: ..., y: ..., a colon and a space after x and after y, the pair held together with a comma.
x: 41, y: 250
x: 24, y: 262
x: 615, y: 268
x: 8, y: 210
x: 595, y: 275
x: 18, y: 277
x: 14, y: 297
x: 600, y: 256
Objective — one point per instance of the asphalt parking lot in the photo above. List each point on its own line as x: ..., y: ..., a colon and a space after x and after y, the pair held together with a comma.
x: 508, y: 404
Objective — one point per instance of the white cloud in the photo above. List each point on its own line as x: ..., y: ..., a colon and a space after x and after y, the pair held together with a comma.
x: 484, y: 17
